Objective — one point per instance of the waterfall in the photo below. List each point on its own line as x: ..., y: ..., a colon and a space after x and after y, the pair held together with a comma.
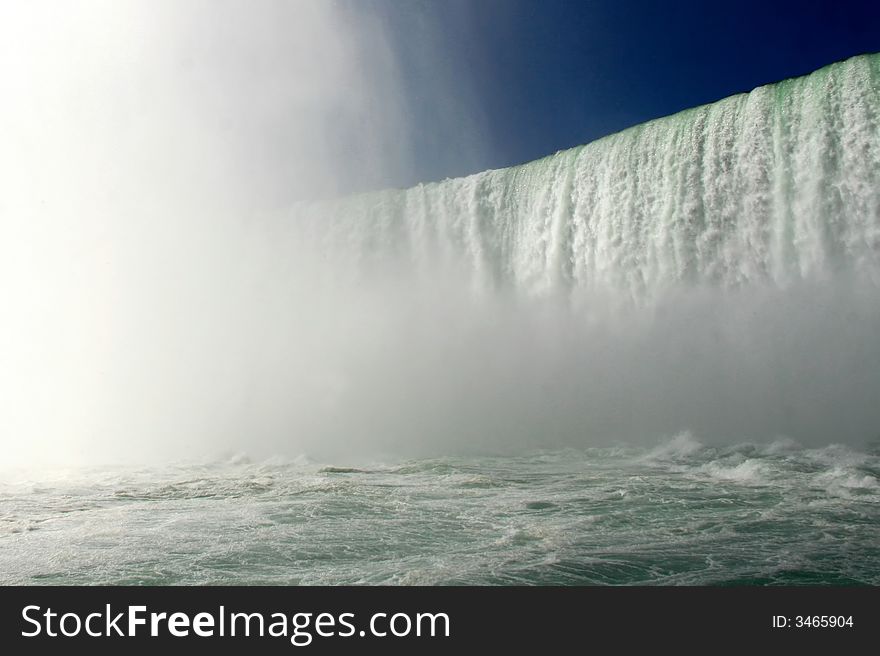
x: 769, y: 187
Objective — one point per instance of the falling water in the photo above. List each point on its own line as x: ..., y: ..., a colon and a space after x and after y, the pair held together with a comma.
x: 715, y: 270
x: 764, y: 188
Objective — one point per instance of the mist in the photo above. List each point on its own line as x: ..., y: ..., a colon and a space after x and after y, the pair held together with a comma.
x: 424, y: 362
x: 175, y: 283
x: 145, y: 146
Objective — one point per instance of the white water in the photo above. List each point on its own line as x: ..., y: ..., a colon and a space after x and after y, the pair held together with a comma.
x: 682, y: 514
x: 767, y: 188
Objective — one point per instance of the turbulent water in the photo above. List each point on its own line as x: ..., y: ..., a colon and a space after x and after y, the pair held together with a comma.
x: 717, y: 270
x: 680, y: 513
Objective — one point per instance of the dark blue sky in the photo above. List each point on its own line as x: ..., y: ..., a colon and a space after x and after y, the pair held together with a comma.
x: 524, y: 78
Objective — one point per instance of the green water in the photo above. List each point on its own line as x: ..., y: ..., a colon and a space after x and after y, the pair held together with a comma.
x: 678, y: 514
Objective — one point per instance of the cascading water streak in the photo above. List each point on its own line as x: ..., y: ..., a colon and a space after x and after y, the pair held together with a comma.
x: 770, y: 187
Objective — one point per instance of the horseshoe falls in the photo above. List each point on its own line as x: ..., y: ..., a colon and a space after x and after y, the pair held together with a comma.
x: 715, y: 271
x: 766, y: 188
x: 652, y: 359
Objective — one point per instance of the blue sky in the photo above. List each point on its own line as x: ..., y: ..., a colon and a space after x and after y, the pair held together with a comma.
x: 260, y: 103
x: 525, y: 78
